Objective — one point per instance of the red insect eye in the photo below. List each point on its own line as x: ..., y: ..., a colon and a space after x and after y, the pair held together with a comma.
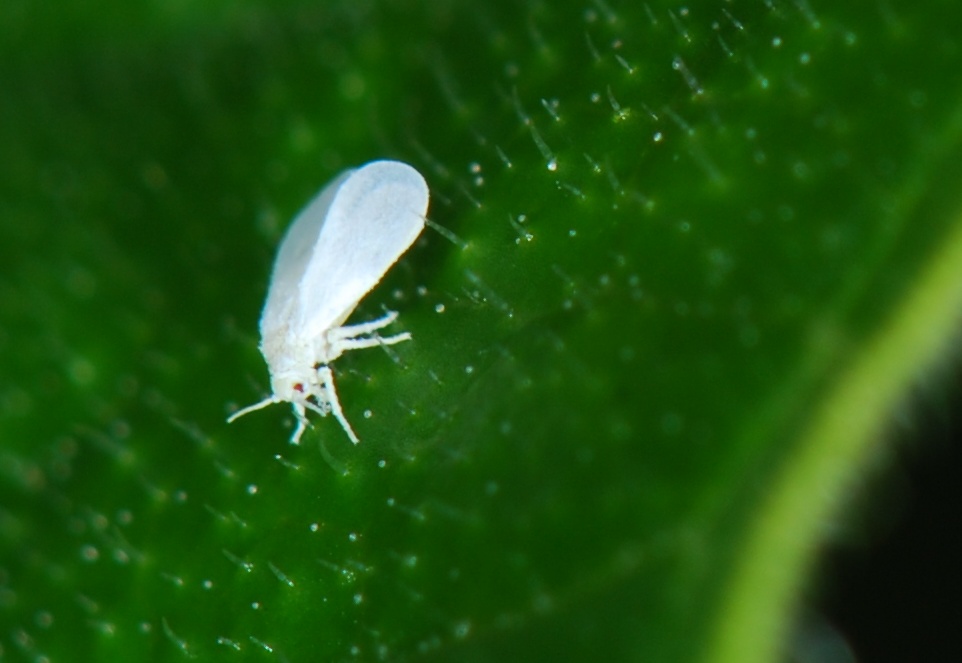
x: 299, y: 387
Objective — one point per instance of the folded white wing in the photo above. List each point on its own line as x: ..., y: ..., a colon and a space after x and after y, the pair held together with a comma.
x: 341, y: 245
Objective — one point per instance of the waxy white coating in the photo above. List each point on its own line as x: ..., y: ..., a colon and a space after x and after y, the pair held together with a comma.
x: 336, y: 250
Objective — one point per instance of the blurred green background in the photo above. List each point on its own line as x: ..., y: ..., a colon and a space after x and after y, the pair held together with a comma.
x: 686, y: 263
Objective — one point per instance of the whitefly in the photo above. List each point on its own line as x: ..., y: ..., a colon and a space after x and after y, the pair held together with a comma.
x: 336, y: 250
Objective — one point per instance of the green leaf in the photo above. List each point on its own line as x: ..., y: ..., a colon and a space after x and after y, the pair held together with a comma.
x: 683, y: 261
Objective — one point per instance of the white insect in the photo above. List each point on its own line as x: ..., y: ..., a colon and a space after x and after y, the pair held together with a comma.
x: 338, y: 248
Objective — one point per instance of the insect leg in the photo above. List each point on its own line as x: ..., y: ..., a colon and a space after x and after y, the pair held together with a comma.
x: 371, y: 342
x: 351, y: 331
x: 301, y: 415
x: 326, y: 378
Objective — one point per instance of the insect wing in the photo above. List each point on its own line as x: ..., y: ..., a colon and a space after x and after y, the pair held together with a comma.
x: 374, y: 217
x: 297, y: 247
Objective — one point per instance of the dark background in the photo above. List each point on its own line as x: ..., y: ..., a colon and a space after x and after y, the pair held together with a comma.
x: 896, y: 594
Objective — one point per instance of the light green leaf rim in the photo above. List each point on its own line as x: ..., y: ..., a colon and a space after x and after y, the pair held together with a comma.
x: 845, y: 429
